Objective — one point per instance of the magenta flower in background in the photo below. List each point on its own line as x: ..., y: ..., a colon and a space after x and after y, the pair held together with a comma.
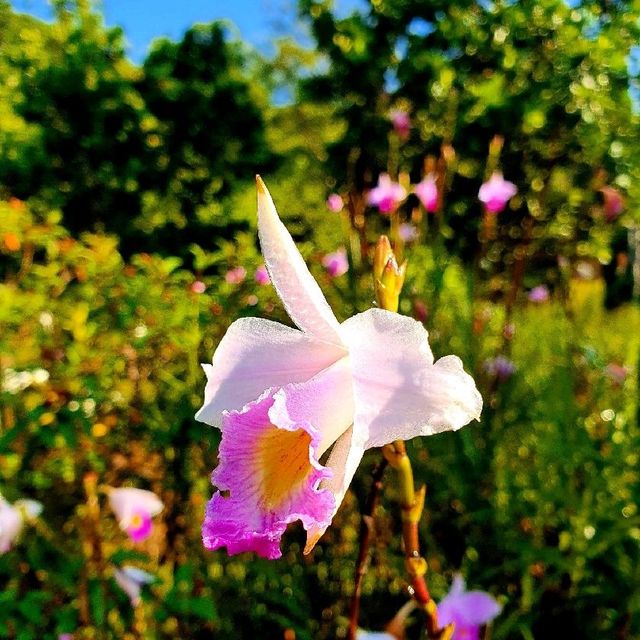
x: 335, y: 203
x: 131, y: 580
x: 198, y: 287
x: 387, y: 195
x: 235, y: 275
x: 500, y: 368
x: 468, y: 610
x: 65, y: 636
x: 427, y: 192
x: 134, y: 509
x: 401, y: 122
x: 262, y: 276
x: 613, y: 203
x: 539, y: 294
x: 282, y: 397
x: 407, y: 232
x: 496, y: 192
x: 336, y: 263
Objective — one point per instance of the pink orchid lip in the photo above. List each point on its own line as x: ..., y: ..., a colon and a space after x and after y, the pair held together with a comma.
x: 139, y: 527
x: 271, y: 472
x: 427, y: 192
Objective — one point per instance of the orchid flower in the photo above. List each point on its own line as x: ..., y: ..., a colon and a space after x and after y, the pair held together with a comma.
x: 613, y: 202
x: 235, y: 275
x: 336, y: 263
x: 283, y: 397
x: 335, y: 203
x: 539, y: 294
x: 401, y: 122
x: 134, y: 509
x: 261, y: 276
x: 131, y: 580
x: 10, y: 525
x: 387, y: 195
x: 12, y: 519
x: 427, y: 192
x: 468, y: 610
x: 496, y: 192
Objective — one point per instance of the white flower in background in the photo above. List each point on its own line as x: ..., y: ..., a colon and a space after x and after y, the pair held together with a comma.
x: 16, y: 381
x: 131, y: 580
x: 46, y: 320
x: 13, y: 518
x: 140, y: 331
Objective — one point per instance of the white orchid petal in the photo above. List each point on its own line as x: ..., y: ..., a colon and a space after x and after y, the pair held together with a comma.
x: 325, y: 402
x: 299, y: 292
x: 254, y: 355
x: 399, y: 392
x: 343, y: 462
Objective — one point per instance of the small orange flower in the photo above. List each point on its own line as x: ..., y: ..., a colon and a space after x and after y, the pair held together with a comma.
x: 11, y: 241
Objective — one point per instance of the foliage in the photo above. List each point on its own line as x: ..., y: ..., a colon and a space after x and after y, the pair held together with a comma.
x: 535, y: 504
x: 141, y: 151
x: 551, y: 77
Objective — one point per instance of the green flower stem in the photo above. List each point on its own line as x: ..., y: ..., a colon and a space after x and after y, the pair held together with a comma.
x: 412, y: 504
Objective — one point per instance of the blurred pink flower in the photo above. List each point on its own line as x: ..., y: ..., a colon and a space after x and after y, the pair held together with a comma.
x: 468, y: 610
x: 616, y: 373
x: 134, y: 509
x: 335, y: 203
x: 407, y: 232
x: 539, y: 294
x: 235, y: 275
x: 198, y: 287
x: 131, y: 580
x: 336, y: 263
x: 262, y: 275
x: 65, y: 636
x: 387, y: 195
x: 509, y: 330
x: 613, y: 202
x: 283, y: 397
x: 401, y: 122
x: 420, y: 310
x: 496, y: 193
x: 427, y: 192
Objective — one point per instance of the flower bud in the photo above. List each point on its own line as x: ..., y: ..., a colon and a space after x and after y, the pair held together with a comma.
x: 388, y: 277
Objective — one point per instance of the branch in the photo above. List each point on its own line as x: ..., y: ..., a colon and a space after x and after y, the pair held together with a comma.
x: 412, y: 503
x: 367, y: 532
